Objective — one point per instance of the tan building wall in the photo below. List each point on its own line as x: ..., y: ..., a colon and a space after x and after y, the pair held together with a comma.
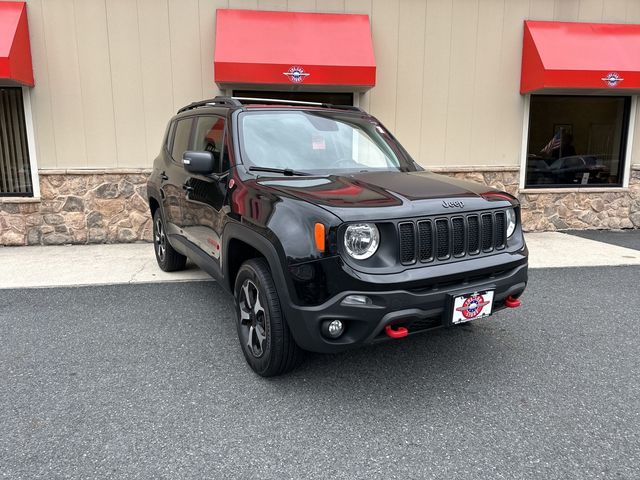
x: 109, y: 74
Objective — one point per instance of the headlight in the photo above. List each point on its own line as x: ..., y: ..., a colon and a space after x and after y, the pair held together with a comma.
x: 511, y: 221
x: 361, y: 240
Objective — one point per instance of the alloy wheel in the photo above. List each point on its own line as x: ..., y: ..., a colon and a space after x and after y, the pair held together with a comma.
x: 160, y: 239
x: 252, y: 318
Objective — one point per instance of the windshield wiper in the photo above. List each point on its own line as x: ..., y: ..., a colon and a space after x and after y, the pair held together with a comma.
x: 284, y: 171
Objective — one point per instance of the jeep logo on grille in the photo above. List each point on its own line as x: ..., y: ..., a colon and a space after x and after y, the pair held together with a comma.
x: 453, y: 204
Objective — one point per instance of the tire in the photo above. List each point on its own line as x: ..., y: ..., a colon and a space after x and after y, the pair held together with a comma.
x: 168, y: 259
x: 265, y: 338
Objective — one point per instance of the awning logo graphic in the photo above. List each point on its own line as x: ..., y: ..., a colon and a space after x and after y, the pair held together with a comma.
x: 612, y: 79
x: 296, y: 74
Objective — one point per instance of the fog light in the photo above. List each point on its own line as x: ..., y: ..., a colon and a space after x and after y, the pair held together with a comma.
x: 356, y: 300
x: 333, y: 328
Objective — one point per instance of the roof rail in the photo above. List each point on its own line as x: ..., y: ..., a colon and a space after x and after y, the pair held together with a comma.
x: 239, y: 101
x: 219, y: 100
x: 295, y: 102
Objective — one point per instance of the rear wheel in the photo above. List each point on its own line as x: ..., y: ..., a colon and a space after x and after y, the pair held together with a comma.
x: 168, y: 259
x: 265, y: 338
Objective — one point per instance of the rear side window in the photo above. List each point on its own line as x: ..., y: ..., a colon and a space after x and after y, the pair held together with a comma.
x: 170, y: 131
x: 181, y: 138
x: 210, y: 137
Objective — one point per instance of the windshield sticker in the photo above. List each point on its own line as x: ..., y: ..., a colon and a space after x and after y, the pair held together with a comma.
x: 317, y: 142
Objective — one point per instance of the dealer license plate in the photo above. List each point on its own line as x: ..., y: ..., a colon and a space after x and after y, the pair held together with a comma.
x: 473, y: 306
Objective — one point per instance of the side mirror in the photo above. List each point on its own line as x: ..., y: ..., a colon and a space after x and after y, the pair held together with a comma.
x: 201, y: 163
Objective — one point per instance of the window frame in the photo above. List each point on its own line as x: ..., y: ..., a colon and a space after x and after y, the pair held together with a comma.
x: 628, y: 136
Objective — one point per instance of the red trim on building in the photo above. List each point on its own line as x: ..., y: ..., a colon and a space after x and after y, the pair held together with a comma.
x: 15, y: 49
x: 563, y: 55
x: 293, y: 49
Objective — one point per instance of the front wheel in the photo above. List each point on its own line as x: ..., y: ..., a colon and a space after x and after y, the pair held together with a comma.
x: 265, y: 338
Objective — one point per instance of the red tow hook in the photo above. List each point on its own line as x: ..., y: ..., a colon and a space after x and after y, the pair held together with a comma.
x: 511, y: 302
x: 400, y: 332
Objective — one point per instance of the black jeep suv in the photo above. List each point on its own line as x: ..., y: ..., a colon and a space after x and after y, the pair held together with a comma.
x: 324, y: 229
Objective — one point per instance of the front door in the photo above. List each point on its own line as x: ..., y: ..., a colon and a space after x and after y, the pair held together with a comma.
x: 202, y: 218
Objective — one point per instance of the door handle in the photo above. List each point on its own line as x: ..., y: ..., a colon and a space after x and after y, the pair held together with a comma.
x: 163, y: 176
x: 187, y: 188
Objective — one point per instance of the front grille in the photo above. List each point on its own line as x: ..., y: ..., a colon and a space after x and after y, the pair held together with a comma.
x: 473, y: 231
x: 408, y: 246
x: 444, y: 238
x: 487, y: 232
x: 425, y: 240
x: 458, y: 236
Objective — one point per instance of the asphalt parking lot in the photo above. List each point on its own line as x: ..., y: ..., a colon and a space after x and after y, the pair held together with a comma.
x: 147, y: 381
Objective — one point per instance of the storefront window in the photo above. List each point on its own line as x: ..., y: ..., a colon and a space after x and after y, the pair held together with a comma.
x: 15, y: 167
x: 576, y: 141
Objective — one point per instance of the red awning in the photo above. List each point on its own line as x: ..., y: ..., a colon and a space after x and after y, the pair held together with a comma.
x: 293, y: 49
x: 15, y: 50
x: 561, y: 55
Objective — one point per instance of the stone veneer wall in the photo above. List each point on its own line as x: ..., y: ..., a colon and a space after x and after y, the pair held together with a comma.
x: 109, y: 207
x: 79, y: 208
x: 568, y: 209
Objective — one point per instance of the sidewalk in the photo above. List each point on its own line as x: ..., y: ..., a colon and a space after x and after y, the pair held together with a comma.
x: 32, y: 267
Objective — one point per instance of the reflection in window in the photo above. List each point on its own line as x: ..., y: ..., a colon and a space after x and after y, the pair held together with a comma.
x: 181, y: 139
x: 209, y: 137
x: 315, y: 142
x: 576, y: 141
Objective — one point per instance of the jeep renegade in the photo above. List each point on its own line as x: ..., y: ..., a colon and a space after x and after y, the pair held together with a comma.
x: 324, y: 230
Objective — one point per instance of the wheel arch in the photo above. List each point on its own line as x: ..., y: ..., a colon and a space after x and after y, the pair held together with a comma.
x: 154, y: 205
x: 241, y: 244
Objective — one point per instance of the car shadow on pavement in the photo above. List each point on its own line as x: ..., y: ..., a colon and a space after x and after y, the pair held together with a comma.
x: 449, y: 356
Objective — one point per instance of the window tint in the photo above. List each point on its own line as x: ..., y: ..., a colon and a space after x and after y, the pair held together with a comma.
x: 181, y: 138
x: 210, y: 137
x: 576, y: 140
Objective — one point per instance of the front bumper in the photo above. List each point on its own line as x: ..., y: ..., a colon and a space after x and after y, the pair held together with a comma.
x: 416, y: 309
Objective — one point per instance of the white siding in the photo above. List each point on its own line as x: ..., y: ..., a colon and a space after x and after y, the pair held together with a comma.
x: 109, y: 73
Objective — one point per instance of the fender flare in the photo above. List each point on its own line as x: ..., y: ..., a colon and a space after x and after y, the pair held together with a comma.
x: 154, y: 193
x: 237, y: 231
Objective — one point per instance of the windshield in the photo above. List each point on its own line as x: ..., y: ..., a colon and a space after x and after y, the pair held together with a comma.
x: 316, y: 142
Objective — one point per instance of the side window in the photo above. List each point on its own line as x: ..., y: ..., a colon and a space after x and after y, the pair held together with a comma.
x: 181, y: 139
x: 170, y: 131
x: 210, y: 137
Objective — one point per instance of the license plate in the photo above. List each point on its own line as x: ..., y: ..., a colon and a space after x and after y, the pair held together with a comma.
x: 471, y: 307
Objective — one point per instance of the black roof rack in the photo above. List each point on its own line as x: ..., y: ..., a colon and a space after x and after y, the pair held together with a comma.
x: 294, y: 102
x: 240, y: 101
x: 219, y: 100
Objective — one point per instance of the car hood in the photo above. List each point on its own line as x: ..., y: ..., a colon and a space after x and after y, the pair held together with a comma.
x: 384, y: 195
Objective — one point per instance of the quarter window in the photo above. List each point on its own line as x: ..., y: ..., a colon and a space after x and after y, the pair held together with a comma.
x: 181, y: 138
x: 15, y: 167
x: 576, y: 141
